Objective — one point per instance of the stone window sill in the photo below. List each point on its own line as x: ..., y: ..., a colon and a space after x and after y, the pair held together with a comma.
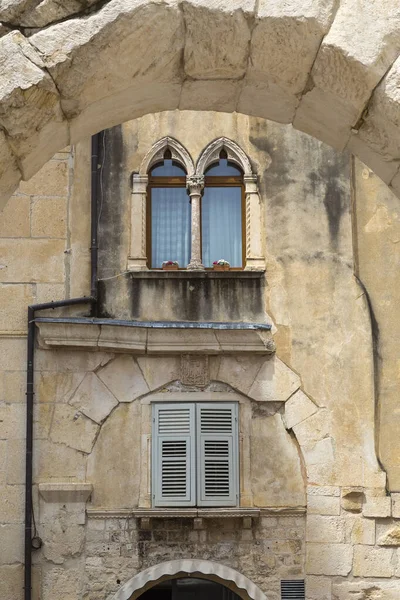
x: 185, y: 274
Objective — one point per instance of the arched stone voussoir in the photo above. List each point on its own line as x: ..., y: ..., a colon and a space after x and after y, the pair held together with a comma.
x: 114, y: 53
x: 377, y: 142
x: 30, y: 111
x: 206, y: 569
x: 284, y: 44
x: 358, y: 50
x: 10, y: 175
x: 30, y: 13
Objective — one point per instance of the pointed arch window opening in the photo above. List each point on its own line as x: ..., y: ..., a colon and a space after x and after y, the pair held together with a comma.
x: 222, y: 170
x: 223, y: 216
x: 168, y: 214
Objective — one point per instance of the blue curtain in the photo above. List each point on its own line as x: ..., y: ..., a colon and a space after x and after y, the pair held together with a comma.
x: 170, y: 226
x: 221, y: 222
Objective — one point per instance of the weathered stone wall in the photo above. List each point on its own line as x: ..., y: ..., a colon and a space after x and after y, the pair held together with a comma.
x: 79, y: 66
x: 340, y: 362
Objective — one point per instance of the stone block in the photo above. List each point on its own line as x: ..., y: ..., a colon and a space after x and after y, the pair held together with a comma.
x: 12, y: 504
x: 158, y: 372
x: 69, y: 580
x: 388, y: 533
x: 323, y: 490
x: 360, y: 530
x: 377, y: 506
x: 352, y: 499
x: 122, y: 339
x: 12, y: 421
x: 47, y: 256
x: 49, y: 217
x: 42, y: 417
x: 10, y: 174
x: 57, y: 387
x: 363, y: 590
x: 182, y: 341
x: 373, y: 562
x: 221, y: 95
x: 14, y: 300
x: 12, y: 354
x: 14, y: 386
x: 217, y: 39
x: 15, y: 218
x: 318, y: 588
x: 298, y: 408
x: 50, y: 292
x: 11, y: 582
x: 57, y: 461
x: 239, y: 371
x: 93, y: 398
x: 124, y: 378
x: 51, y: 180
x: 320, y: 460
x: 62, y: 539
x: 15, y: 471
x: 115, y: 472
x: 11, y: 544
x: 274, y: 382
x: 329, y: 559
x: 325, y: 529
x: 323, y: 505
x: 72, y: 428
x: 395, y: 505
x: 315, y: 428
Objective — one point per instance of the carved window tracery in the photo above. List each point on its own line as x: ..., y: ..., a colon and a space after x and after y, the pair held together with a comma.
x: 238, y: 173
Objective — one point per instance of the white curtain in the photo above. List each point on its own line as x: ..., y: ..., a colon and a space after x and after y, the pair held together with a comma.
x: 170, y: 226
x: 221, y: 222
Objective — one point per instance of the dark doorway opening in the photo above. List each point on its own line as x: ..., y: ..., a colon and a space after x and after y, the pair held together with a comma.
x: 189, y: 588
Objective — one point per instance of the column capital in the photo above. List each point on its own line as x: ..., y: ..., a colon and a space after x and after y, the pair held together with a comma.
x: 195, y: 183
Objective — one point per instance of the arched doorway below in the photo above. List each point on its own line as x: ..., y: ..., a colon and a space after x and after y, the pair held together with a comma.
x: 189, y: 588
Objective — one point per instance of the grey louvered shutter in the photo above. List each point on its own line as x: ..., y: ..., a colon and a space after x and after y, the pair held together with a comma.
x: 217, y: 454
x: 173, y: 473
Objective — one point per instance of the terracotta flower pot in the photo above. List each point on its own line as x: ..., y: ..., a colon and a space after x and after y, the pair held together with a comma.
x: 221, y: 267
x: 170, y: 267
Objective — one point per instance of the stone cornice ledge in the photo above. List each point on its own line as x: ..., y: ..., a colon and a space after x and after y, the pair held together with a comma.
x: 65, y: 492
x: 134, y: 338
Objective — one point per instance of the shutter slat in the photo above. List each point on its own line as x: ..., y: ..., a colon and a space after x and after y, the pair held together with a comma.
x: 217, y: 454
x: 173, y: 455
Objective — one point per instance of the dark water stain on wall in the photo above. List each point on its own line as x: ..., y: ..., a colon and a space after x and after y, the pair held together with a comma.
x: 334, y: 175
x: 112, y: 219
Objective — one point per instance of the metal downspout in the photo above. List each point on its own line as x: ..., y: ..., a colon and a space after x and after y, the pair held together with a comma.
x: 30, y: 367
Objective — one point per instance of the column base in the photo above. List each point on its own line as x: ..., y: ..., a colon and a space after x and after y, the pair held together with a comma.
x: 195, y: 266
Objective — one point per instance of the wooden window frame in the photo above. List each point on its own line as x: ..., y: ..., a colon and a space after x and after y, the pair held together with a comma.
x: 159, y: 182
x: 227, y: 181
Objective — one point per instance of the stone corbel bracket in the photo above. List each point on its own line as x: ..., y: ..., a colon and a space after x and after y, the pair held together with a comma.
x: 134, y: 338
x: 65, y: 492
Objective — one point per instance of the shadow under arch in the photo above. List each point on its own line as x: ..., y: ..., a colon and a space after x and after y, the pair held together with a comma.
x: 202, y: 569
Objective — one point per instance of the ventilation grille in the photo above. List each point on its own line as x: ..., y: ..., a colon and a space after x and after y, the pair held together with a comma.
x: 216, y: 420
x: 293, y: 589
x: 174, y: 421
x: 174, y: 468
x: 217, y: 474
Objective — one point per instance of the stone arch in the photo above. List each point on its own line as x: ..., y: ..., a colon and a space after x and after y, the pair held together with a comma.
x: 211, y: 152
x: 315, y: 66
x: 203, y: 569
x: 156, y: 152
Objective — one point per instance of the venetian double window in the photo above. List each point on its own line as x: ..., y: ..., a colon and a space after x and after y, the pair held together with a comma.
x: 195, y: 216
